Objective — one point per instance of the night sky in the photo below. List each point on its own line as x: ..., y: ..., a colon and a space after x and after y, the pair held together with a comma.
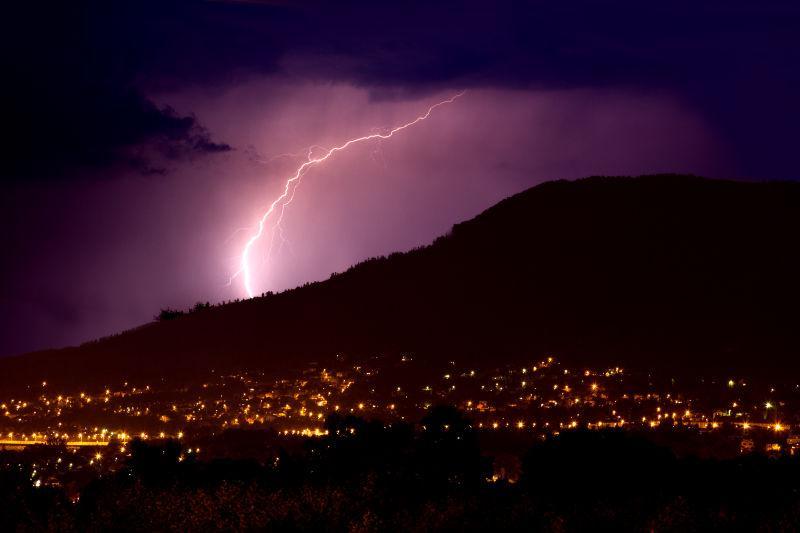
x: 141, y: 137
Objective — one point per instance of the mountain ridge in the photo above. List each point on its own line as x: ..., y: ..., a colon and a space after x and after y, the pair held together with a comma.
x: 653, y: 271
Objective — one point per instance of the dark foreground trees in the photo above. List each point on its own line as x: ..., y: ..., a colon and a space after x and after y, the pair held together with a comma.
x: 367, y: 476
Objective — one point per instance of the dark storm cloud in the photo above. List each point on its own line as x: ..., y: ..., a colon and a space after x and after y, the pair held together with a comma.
x: 734, y: 60
x: 76, y: 74
x: 71, y: 102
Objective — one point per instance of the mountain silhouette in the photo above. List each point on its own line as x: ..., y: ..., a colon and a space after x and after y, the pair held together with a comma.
x: 664, y: 272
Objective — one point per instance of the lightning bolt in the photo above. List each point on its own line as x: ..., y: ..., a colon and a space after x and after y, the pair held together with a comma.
x: 290, y: 187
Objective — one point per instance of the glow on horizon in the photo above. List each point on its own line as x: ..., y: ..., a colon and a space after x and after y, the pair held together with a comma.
x: 290, y: 186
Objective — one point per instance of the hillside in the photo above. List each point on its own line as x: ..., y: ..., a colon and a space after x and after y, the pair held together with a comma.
x: 649, y: 272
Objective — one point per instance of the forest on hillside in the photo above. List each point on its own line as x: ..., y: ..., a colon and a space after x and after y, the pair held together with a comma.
x: 649, y: 272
